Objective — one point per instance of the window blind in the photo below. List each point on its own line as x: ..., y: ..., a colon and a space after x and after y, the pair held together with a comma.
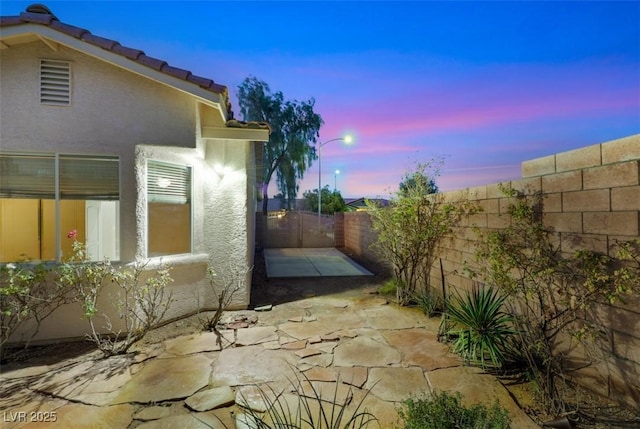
x: 27, y: 176
x: 80, y: 177
x: 168, y: 183
x: 89, y: 177
x: 55, y: 82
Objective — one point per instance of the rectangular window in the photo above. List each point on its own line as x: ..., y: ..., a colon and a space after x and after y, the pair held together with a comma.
x: 168, y: 209
x: 55, y: 82
x: 43, y: 197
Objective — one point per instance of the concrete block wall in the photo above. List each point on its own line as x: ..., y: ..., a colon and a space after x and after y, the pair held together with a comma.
x: 591, y: 199
x: 358, y: 237
x: 338, y: 229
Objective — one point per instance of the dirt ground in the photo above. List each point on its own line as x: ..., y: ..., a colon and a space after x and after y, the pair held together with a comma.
x: 595, y: 412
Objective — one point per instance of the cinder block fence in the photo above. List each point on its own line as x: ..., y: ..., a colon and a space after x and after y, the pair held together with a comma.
x: 591, y: 199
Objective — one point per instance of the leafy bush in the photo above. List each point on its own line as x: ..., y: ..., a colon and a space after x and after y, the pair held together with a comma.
x: 444, y: 411
x: 412, y: 227
x: 389, y: 287
x: 480, y: 326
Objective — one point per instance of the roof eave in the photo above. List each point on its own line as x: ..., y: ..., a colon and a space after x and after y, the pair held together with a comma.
x: 235, y: 133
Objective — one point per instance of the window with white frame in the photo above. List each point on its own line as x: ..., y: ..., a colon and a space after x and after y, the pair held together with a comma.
x: 48, y: 201
x: 168, y: 209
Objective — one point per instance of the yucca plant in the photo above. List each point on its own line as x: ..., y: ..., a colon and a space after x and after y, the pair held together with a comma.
x: 310, y: 409
x: 480, y: 326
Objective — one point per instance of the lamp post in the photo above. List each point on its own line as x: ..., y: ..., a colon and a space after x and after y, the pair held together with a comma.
x: 347, y: 139
x: 335, y: 181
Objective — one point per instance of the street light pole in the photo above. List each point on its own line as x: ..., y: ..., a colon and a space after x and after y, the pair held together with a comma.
x: 346, y: 139
x: 335, y: 181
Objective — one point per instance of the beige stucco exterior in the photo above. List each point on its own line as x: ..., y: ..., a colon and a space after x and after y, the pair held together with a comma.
x: 136, y: 116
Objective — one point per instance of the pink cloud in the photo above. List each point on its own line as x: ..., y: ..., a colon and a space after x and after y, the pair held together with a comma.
x: 495, y: 95
x: 371, y: 122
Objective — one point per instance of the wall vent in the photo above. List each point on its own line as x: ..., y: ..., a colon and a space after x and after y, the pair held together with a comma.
x: 55, y: 82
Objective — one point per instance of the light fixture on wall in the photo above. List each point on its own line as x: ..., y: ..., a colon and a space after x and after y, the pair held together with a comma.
x: 163, y: 182
x: 221, y: 170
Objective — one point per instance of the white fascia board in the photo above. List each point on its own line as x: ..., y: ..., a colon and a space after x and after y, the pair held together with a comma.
x: 207, y: 97
x: 230, y: 133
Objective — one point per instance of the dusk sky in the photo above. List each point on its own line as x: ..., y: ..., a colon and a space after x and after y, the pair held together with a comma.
x: 486, y: 85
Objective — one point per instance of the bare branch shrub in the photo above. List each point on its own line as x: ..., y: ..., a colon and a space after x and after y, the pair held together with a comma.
x: 551, y: 294
x: 224, y: 285
x: 29, y: 293
x: 141, y: 304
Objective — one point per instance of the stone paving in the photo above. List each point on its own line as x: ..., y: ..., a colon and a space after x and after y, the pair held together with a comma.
x: 355, y: 348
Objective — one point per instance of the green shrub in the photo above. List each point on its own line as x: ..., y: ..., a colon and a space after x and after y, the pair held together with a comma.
x: 389, y: 287
x: 410, y: 229
x: 444, y: 411
x: 429, y: 303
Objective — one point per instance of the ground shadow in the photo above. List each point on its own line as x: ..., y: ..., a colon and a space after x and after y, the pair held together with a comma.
x: 47, y: 354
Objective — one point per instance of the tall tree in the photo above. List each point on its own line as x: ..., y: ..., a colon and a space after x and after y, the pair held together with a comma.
x: 290, y: 150
x: 417, y: 180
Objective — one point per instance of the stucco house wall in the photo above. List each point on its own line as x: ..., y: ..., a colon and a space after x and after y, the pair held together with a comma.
x: 119, y: 109
x: 111, y: 112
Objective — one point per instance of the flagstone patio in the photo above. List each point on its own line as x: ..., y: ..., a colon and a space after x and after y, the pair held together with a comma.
x: 358, y: 340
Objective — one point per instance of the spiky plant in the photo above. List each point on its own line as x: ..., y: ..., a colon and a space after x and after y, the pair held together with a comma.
x: 310, y: 409
x: 480, y: 326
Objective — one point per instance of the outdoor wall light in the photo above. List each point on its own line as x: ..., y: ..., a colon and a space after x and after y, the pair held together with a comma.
x: 163, y: 182
x: 221, y: 170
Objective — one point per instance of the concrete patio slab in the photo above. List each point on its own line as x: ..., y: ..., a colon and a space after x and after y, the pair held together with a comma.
x: 321, y: 262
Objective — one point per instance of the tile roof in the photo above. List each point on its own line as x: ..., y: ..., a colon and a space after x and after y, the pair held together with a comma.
x: 41, y: 15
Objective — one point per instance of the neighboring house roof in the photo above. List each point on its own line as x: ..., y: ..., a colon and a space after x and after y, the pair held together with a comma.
x: 41, y: 15
x: 360, y: 203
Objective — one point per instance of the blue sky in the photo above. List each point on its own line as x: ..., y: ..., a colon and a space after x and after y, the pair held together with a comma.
x: 486, y: 85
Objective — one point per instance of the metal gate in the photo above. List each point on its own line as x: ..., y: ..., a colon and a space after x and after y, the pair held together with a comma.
x: 298, y: 229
